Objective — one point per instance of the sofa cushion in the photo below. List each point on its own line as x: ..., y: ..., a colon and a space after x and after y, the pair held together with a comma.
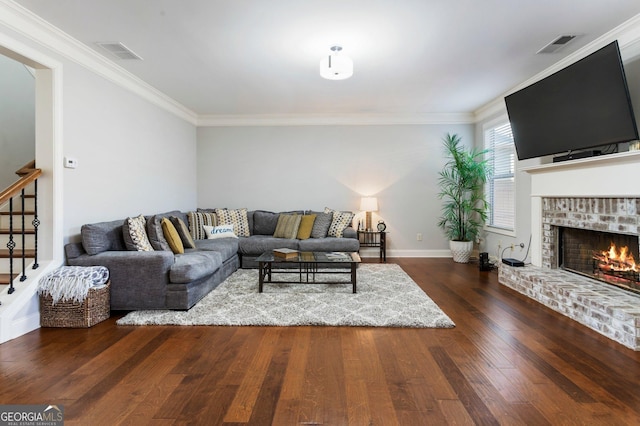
x: 228, y: 247
x: 236, y: 217
x: 191, y: 266
x: 134, y: 232
x: 103, y: 236
x: 329, y: 244
x: 172, y: 237
x: 264, y: 222
x: 306, y: 225
x: 288, y: 225
x: 220, y: 231
x: 321, y: 224
x: 196, y: 222
x: 259, y: 244
x: 183, y: 231
x: 340, y: 221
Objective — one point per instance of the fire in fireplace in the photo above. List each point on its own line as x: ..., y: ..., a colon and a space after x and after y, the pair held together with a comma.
x: 616, y: 263
x: 605, y: 256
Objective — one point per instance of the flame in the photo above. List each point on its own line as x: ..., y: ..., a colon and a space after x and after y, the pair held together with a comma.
x: 615, y: 260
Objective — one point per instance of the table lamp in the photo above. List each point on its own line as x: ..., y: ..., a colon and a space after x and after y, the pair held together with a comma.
x: 368, y: 204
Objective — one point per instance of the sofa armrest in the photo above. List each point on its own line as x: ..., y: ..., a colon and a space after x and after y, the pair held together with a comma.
x: 73, y: 250
x: 349, y: 232
x: 138, y: 278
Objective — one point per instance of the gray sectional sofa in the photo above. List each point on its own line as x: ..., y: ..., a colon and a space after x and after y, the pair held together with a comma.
x: 160, y: 279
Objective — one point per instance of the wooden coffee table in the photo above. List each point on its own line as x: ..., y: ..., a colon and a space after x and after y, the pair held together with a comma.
x: 307, y: 264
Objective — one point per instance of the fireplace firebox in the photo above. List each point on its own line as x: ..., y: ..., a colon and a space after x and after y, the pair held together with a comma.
x: 605, y: 256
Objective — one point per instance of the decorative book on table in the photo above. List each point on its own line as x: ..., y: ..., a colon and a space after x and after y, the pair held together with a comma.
x: 285, y: 253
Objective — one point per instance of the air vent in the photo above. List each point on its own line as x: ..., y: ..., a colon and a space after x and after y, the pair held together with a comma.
x: 557, y: 44
x: 119, y: 50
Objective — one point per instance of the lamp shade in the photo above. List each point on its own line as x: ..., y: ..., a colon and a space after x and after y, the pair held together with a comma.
x: 369, y: 204
x: 336, y: 66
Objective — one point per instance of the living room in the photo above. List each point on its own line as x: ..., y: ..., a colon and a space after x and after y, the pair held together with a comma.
x: 132, y: 141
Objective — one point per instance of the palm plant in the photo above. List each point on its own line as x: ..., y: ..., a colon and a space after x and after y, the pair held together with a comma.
x: 461, y: 187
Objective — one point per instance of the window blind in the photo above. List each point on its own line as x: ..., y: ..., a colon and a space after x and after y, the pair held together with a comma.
x: 500, y: 188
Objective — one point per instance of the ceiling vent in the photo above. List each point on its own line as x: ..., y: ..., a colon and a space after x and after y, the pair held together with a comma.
x: 119, y: 50
x: 557, y: 44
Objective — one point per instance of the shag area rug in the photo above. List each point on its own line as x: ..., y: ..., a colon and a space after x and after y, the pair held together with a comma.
x: 386, y: 297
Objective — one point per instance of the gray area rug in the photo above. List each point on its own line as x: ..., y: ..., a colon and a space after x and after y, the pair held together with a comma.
x: 387, y: 297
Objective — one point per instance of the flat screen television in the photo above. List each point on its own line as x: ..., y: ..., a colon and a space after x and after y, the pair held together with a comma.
x: 582, y: 106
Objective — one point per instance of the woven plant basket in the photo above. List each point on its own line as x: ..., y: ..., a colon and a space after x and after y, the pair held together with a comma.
x: 94, y: 309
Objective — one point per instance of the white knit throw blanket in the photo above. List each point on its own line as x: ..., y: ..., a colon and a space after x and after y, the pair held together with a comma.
x: 72, y: 282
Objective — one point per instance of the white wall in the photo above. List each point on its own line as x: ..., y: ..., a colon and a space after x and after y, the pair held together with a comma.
x: 312, y: 167
x: 17, y: 119
x: 133, y: 157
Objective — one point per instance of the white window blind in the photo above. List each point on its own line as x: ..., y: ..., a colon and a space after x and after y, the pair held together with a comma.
x: 500, y: 189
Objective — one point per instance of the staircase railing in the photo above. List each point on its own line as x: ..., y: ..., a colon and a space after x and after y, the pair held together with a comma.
x: 28, y: 175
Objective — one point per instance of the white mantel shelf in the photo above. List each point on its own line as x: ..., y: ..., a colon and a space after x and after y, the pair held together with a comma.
x: 582, y: 163
x: 611, y: 175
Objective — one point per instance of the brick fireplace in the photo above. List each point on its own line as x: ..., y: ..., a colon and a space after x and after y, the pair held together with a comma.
x: 570, y: 202
x: 574, y: 228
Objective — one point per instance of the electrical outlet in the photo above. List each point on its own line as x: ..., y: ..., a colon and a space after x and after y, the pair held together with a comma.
x: 419, y: 236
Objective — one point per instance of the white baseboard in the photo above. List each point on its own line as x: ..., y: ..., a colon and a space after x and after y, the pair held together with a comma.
x: 374, y: 253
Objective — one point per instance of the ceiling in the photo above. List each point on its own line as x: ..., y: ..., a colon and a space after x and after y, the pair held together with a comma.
x: 259, y: 57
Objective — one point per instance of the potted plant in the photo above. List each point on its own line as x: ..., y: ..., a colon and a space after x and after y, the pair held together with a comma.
x: 464, y: 210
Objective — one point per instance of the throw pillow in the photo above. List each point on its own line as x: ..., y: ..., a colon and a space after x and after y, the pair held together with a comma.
x: 134, y: 231
x: 237, y: 218
x: 321, y: 225
x: 156, y: 235
x: 220, y: 231
x: 196, y: 222
x: 183, y: 231
x: 287, y: 226
x: 264, y: 222
x: 306, y: 225
x: 341, y: 220
x: 171, y: 235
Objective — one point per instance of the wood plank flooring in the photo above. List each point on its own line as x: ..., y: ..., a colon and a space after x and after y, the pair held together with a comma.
x: 508, y: 361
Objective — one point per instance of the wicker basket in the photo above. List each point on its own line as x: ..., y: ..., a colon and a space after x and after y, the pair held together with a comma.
x: 94, y: 309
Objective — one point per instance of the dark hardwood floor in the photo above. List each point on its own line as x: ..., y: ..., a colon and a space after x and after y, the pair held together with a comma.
x: 508, y: 361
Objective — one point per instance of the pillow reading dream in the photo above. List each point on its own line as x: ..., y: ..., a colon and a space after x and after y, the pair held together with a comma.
x: 221, y: 231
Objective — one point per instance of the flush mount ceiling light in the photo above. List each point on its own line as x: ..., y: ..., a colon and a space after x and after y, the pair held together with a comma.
x: 336, y: 66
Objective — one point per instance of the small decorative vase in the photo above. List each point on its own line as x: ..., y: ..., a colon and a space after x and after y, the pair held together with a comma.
x: 461, y: 250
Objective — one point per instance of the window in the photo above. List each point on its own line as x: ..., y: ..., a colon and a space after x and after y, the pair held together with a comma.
x: 500, y: 190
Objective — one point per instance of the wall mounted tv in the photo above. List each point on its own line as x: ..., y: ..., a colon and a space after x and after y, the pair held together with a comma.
x: 584, y: 105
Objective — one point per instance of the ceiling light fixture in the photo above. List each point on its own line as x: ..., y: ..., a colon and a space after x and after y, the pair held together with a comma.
x: 336, y: 66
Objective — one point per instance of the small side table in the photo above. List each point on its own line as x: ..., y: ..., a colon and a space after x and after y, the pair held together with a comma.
x: 374, y: 239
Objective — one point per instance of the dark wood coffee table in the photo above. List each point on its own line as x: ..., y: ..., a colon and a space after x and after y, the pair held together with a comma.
x: 308, y: 264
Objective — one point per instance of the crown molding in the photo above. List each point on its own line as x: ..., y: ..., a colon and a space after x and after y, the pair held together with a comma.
x: 31, y: 26
x: 627, y: 34
x: 333, y: 119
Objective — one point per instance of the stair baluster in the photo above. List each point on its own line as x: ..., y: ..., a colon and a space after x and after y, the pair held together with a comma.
x: 23, y: 277
x: 35, y: 223
x: 11, y: 245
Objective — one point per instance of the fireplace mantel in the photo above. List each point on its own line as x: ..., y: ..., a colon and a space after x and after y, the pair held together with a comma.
x: 606, y: 176
x: 618, y: 158
x: 612, y: 175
